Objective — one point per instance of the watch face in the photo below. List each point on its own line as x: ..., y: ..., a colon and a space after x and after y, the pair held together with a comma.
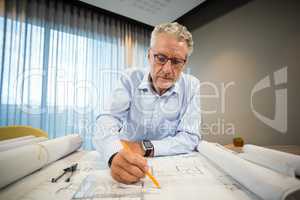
x: 148, y: 144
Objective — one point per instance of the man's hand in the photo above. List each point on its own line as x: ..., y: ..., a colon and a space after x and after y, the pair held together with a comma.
x: 128, y: 167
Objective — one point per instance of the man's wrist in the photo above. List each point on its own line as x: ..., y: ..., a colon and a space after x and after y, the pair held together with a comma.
x: 142, y: 149
x: 111, y: 159
x: 135, y: 147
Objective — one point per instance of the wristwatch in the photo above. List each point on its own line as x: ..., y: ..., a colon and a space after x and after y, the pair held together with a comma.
x: 148, y: 148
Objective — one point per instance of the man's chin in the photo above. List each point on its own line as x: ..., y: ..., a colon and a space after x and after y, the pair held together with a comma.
x: 165, y: 85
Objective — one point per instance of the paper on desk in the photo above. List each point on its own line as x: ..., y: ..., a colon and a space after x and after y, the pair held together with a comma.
x: 99, y: 184
x: 38, y: 185
x: 16, y: 139
x: 285, y: 163
x: 180, y: 177
x: 264, y: 182
x: 20, y: 143
x: 19, y: 162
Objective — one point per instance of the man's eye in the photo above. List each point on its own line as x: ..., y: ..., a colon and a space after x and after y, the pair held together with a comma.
x: 176, y: 62
x: 162, y: 58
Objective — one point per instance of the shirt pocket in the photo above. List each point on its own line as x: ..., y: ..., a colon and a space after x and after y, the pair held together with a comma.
x: 143, y: 104
x: 170, y: 108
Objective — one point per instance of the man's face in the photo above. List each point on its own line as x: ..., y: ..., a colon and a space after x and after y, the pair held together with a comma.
x: 167, y: 58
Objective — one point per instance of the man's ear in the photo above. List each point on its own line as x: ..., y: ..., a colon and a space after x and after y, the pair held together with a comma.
x: 148, y: 54
x: 185, y: 64
x: 183, y: 68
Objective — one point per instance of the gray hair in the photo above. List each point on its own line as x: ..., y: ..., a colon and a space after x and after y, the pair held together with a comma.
x: 175, y: 29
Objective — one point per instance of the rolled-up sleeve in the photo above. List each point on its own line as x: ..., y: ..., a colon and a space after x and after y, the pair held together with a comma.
x: 106, y: 137
x: 106, y: 140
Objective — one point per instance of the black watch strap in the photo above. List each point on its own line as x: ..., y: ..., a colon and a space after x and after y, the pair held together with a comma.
x: 111, y: 158
x: 148, y: 153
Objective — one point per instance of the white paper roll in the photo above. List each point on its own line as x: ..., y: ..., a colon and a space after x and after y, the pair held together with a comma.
x: 19, y: 162
x: 282, y: 162
x: 60, y: 147
x: 16, y: 139
x: 265, y: 183
x: 19, y: 143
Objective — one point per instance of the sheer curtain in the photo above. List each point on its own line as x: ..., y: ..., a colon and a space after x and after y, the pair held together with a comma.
x: 59, y: 61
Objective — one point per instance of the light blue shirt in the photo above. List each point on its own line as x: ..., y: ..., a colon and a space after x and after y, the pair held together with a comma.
x: 135, y: 113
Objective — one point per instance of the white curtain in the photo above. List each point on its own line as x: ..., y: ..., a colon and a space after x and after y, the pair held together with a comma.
x: 59, y: 61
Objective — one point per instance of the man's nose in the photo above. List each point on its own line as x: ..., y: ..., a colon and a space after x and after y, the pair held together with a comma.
x: 167, y: 67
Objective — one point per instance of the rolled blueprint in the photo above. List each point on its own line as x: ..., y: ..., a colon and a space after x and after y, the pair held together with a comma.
x: 61, y: 147
x: 19, y: 162
x: 265, y: 183
x: 16, y: 139
x: 285, y: 163
x: 16, y: 144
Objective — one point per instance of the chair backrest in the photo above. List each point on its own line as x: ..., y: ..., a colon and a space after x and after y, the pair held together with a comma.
x: 9, y: 132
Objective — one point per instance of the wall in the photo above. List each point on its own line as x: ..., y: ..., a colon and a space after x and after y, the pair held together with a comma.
x: 236, y: 51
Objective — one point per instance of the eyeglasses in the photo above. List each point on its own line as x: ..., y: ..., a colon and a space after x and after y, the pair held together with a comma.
x: 176, y: 63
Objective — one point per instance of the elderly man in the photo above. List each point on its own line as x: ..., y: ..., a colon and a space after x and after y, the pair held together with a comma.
x: 156, y: 112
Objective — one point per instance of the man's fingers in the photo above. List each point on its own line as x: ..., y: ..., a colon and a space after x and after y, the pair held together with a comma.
x: 123, y: 176
x: 125, y: 172
x: 135, y: 159
x: 132, y: 169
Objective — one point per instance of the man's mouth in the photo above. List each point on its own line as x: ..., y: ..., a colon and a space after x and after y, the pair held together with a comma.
x: 166, y: 78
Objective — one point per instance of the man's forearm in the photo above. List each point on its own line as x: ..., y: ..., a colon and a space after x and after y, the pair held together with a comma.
x: 181, y: 143
x: 135, y: 147
x: 106, y: 139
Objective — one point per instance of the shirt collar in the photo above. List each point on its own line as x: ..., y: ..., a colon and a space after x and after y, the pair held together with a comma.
x: 176, y: 86
x: 145, y: 84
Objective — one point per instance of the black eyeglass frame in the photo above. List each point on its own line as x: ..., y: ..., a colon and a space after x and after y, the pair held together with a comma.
x: 174, y: 61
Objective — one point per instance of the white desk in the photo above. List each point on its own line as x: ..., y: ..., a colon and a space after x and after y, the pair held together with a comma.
x: 190, y: 177
x: 39, y: 183
x: 38, y: 186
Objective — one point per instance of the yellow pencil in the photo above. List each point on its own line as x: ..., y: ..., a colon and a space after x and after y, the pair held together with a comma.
x: 152, y: 178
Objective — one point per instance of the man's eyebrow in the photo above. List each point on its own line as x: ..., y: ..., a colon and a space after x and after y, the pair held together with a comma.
x: 172, y: 57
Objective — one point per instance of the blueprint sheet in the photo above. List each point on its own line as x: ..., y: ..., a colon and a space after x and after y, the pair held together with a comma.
x: 181, y: 177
